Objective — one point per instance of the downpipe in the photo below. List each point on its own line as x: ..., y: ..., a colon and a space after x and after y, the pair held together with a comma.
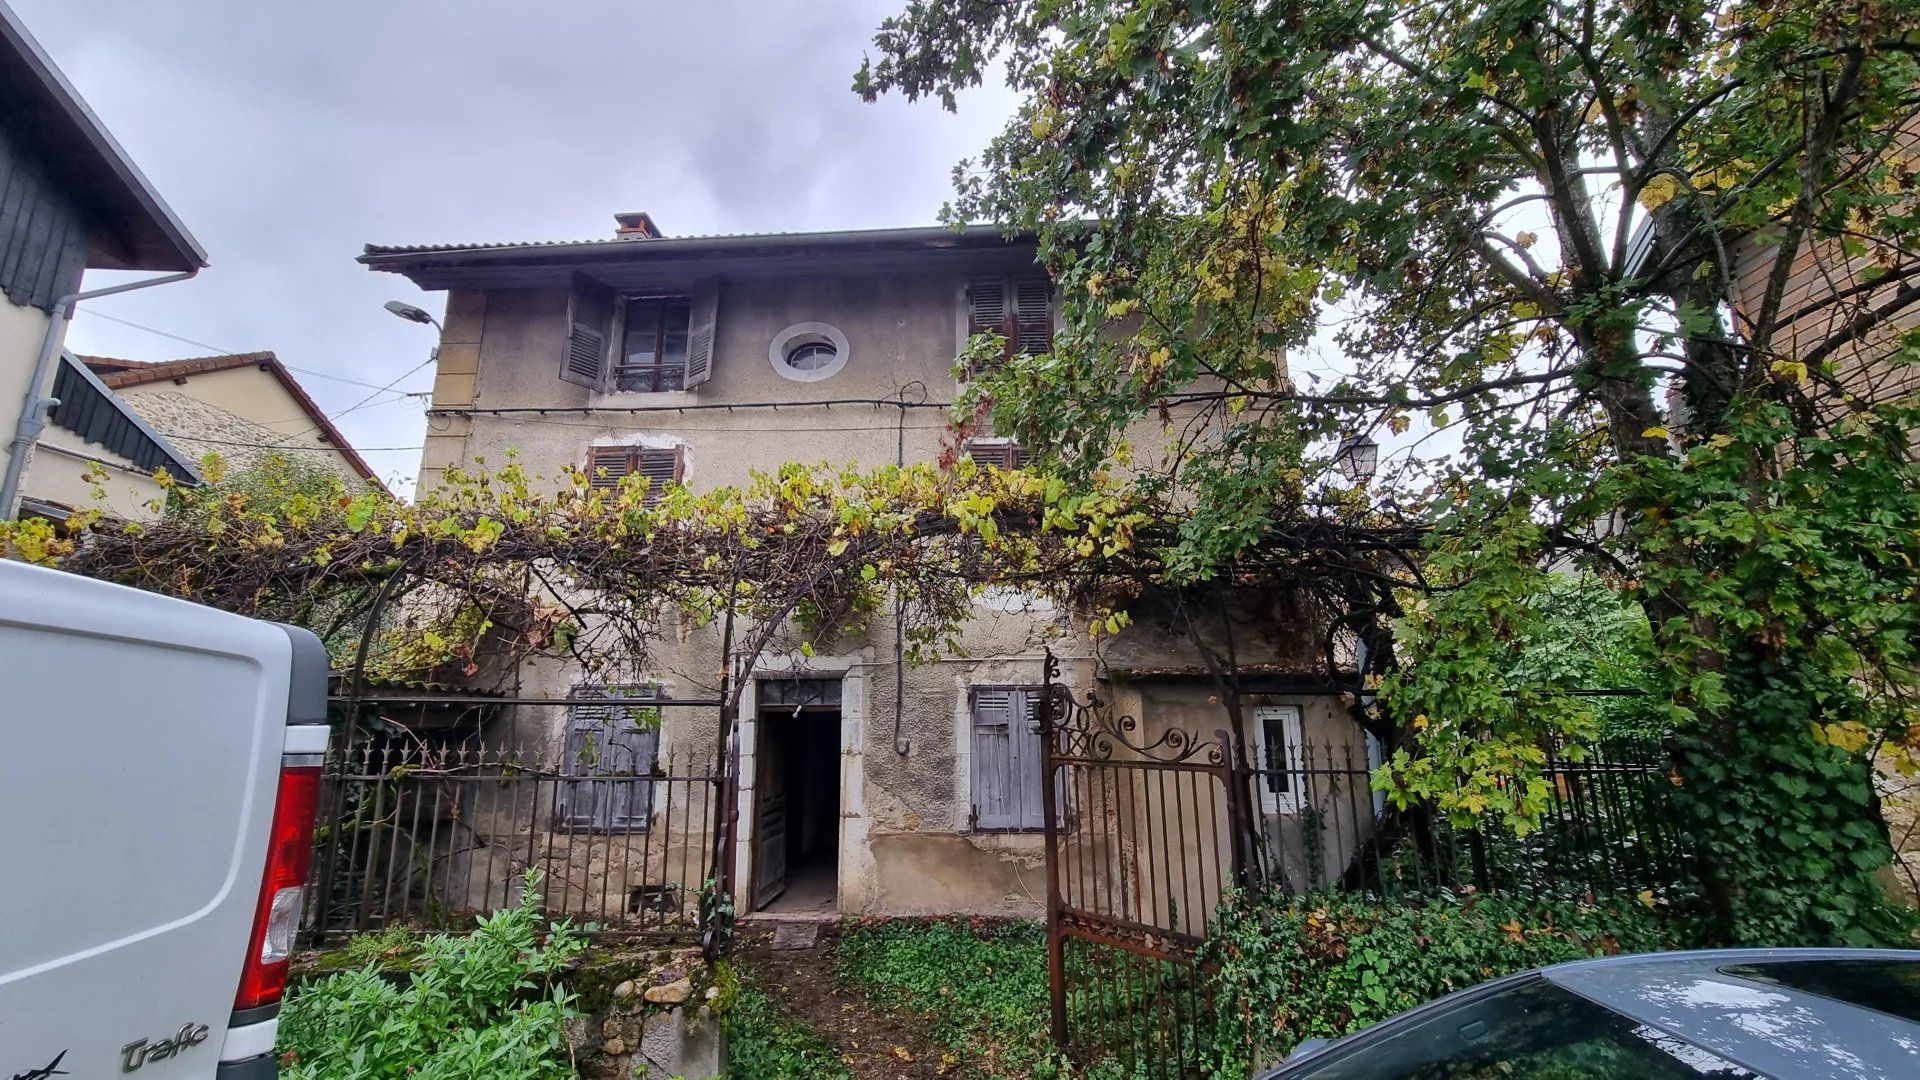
x: 33, y: 410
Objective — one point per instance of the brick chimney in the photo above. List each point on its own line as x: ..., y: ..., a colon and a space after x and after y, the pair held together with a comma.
x: 636, y: 225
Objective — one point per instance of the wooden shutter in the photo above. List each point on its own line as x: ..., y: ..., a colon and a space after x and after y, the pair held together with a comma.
x: 1006, y: 759
x: 993, y: 768
x: 661, y: 467
x: 610, y: 759
x: 1027, y: 764
x: 613, y: 461
x: 580, y: 756
x: 702, y: 324
x: 590, y: 325
x: 1001, y: 454
x: 1033, y: 312
x: 987, y: 307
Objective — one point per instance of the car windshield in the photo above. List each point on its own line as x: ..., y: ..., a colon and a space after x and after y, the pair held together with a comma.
x: 1534, y: 1029
x: 1887, y: 986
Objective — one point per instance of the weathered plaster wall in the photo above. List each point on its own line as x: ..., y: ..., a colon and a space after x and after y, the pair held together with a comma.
x: 906, y: 843
x: 57, y: 473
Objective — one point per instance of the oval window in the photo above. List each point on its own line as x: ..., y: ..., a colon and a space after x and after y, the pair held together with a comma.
x: 808, y: 352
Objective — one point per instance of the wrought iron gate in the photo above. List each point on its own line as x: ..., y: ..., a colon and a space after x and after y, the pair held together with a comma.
x: 1141, y: 845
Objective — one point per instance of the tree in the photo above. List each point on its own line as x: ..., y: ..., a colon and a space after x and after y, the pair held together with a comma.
x: 1522, y: 223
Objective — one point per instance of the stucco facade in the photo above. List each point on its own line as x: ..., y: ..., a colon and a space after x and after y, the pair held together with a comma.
x: 904, y: 736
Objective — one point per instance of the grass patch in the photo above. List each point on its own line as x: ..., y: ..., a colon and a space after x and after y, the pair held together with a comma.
x: 981, y: 988
x: 765, y: 1043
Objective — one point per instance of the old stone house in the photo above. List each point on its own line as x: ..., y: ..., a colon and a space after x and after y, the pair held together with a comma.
x: 242, y: 406
x: 866, y: 786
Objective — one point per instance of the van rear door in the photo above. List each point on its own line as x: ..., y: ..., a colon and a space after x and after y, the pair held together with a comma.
x: 141, y: 740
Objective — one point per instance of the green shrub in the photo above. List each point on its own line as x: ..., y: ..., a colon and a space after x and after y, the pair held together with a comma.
x: 482, y: 1005
x: 1317, y: 967
x: 764, y: 1043
x: 982, y: 989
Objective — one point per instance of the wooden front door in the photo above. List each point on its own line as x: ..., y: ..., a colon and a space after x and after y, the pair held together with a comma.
x: 770, y: 815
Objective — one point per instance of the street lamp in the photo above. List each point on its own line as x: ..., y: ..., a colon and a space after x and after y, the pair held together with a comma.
x: 1357, y: 457
x: 410, y: 313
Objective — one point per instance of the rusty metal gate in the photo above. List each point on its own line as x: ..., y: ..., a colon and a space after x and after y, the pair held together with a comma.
x: 1141, y: 846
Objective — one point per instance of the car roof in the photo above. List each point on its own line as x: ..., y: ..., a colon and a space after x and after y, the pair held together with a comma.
x: 1769, y: 1028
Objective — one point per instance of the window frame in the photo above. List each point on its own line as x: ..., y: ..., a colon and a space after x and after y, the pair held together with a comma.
x: 573, y: 782
x: 618, y: 368
x: 1274, y: 803
x: 633, y: 466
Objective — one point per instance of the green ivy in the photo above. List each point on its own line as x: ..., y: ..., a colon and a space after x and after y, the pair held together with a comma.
x: 480, y: 1006
x: 1290, y: 969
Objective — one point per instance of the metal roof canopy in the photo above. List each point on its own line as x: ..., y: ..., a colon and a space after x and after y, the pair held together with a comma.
x: 674, y: 261
x: 134, y: 227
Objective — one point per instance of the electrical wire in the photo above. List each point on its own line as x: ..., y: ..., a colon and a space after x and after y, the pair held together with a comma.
x: 185, y: 437
x: 215, y: 349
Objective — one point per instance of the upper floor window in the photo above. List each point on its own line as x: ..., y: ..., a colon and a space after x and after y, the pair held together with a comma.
x: 1000, y: 453
x: 661, y: 465
x: 653, y: 354
x: 639, y: 343
x: 1019, y: 309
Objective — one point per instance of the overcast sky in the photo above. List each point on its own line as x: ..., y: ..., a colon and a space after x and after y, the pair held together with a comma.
x: 287, y: 135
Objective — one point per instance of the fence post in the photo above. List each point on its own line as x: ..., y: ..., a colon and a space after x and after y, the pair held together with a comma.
x: 1050, y: 831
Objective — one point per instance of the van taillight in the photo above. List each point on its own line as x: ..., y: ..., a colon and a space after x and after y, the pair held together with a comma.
x: 289, y: 854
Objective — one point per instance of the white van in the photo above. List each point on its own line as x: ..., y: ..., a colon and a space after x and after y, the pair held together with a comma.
x: 159, y: 772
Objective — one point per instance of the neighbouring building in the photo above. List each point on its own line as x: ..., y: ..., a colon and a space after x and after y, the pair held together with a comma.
x: 865, y: 786
x: 70, y: 201
x: 242, y: 407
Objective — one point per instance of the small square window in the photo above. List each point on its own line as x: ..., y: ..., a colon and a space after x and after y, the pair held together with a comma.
x: 999, y: 453
x: 661, y: 465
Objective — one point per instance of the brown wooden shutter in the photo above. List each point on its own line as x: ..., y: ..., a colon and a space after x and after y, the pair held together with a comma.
x: 590, y: 325
x: 987, y: 307
x: 703, y: 323
x: 1033, y: 310
x: 1002, y: 454
x: 611, y: 460
x: 661, y: 467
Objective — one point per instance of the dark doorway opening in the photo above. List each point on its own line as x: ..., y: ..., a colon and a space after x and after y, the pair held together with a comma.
x: 797, y: 797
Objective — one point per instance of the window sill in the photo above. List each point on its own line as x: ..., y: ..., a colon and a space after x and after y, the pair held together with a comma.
x: 643, y: 397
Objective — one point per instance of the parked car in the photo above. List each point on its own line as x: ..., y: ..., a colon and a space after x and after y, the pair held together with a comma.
x: 159, y: 771
x: 1782, y: 1013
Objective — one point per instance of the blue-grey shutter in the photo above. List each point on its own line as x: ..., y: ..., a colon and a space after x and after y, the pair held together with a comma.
x: 581, y: 753
x: 631, y: 751
x: 1027, y: 764
x: 613, y: 758
x: 993, y: 760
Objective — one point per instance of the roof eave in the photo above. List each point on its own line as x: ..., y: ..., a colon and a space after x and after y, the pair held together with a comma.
x: 154, y: 237
x: 400, y: 258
